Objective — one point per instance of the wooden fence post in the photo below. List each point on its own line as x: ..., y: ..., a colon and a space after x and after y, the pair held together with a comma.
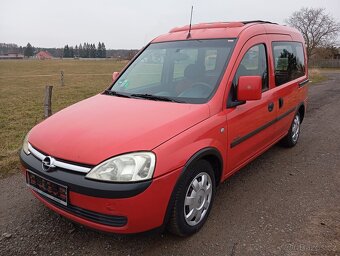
x: 48, y: 101
x: 62, y: 77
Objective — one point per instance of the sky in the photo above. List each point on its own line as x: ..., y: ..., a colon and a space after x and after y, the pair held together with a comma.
x: 130, y: 24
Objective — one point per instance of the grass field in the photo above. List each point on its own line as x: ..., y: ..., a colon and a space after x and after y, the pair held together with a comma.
x: 22, y: 84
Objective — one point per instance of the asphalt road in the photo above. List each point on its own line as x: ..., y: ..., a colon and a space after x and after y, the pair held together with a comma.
x: 286, y: 202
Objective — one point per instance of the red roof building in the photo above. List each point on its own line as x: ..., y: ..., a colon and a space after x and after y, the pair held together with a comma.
x: 43, y: 55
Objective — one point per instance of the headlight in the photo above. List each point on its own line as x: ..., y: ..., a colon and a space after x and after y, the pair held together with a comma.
x: 125, y: 168
x: 25, y: 145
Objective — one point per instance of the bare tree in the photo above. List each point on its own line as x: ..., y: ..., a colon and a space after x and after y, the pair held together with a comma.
x: 318, y: 28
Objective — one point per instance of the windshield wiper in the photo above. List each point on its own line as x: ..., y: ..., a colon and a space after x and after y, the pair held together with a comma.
x: 118, y: 94
x: 154, y: 97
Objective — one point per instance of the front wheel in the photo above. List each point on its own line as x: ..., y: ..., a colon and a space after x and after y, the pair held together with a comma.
x: 291, y: 139
x: 194, y: 198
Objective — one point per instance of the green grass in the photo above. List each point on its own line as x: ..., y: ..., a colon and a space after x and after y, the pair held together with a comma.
x: 22, y: 84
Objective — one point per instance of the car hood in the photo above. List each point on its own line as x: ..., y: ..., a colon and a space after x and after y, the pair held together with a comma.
x: 103, y: 126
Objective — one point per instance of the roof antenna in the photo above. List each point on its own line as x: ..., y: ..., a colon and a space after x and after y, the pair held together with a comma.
x: 192, y: 8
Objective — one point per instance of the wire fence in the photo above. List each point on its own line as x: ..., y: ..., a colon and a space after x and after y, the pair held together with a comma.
x: 324, y: 63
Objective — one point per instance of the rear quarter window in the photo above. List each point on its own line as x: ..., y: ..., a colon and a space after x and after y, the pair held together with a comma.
x: 289, y: 61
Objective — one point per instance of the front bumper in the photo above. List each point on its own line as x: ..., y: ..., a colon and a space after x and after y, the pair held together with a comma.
x: 110, y: 207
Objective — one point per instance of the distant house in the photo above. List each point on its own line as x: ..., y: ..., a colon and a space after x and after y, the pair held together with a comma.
x: 43, y: 55
x: 11, y: 56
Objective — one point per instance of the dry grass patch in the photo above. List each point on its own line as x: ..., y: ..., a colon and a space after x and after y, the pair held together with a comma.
x: 22, y: 84
x: 316, y: 76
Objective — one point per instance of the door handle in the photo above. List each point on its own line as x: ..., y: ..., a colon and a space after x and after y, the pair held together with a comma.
x: 280, y: 102
x: 270, y: 106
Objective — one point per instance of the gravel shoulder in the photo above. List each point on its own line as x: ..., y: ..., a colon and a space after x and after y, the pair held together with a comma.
x: 286, y: 202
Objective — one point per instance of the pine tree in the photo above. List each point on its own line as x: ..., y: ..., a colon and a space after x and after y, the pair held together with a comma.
x: 87, y: 50
x: 29, y: 51
x: 99, y: 51
x: 92, y: 51
x: 76, y: 51
x: 103, y: 50
x: 66, y: 53
x: 71, y: 52
x: 80, y: 50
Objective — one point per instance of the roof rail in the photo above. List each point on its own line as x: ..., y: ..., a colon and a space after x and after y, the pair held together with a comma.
x: 257, y: 21
x: 208, y: 25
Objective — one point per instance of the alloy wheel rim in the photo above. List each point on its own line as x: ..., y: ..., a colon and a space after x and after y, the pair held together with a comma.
x: 296, y: 129
x: 197, y: 199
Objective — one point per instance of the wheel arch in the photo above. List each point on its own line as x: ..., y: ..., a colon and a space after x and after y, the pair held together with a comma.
x: 301, y: 109
x: 213, y: 156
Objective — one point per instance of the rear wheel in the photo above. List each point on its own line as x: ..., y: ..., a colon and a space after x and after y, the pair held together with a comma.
x: 291, y: 139
x: 193, y: 200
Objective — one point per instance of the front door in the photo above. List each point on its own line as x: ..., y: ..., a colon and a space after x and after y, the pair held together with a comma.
x: 250, y: 127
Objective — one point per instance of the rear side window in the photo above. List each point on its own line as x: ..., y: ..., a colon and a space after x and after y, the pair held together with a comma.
x: 289, y: 61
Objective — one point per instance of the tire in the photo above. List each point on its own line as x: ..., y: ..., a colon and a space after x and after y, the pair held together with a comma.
x: 291, y: 139
x: 193, y: 199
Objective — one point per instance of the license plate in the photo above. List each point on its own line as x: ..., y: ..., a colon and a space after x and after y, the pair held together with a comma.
x: 47, y: 188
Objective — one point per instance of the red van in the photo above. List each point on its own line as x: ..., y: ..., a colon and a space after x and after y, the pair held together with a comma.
x: 193, y: 107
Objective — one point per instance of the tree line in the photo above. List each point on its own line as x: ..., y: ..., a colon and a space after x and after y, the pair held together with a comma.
x: 6, y: 48
x: 78, y: 51
x: 85, y: 51
x: 27, y: 50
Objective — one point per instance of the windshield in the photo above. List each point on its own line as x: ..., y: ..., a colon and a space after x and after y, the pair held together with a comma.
x: 180, y: 71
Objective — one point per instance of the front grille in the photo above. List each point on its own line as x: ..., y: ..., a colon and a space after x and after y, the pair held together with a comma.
x: 66, y: 165
x: 110, y: 220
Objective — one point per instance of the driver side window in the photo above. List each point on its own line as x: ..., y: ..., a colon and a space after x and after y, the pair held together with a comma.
x: 254, y: 63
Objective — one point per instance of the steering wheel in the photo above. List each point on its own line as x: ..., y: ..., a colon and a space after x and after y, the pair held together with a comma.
x: 197, y: 90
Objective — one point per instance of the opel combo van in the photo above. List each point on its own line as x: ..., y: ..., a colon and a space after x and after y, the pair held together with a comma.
x: 193, y: 107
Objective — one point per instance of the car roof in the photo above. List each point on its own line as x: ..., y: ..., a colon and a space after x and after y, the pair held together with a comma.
x: 228, y: 30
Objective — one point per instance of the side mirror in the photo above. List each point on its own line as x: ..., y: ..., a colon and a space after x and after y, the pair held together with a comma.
x: 114, y: 76
x: 249, y: 88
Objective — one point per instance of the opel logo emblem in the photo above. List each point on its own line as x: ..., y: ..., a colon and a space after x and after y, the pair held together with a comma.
x: 48, y: 163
